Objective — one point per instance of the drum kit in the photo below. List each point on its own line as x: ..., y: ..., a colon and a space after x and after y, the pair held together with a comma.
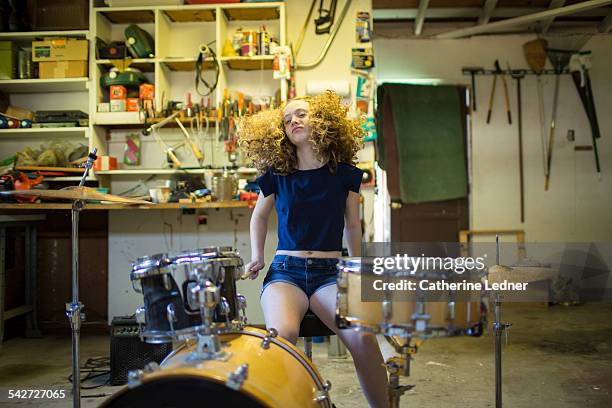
x: 220, y: 359
x: 190, y: 300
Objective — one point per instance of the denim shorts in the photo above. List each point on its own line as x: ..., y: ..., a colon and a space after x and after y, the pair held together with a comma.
x: 308, y: 274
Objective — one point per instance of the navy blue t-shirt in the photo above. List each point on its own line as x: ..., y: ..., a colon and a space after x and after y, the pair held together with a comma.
x: 310, y: 205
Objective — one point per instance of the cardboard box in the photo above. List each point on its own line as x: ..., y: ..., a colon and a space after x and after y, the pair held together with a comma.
x: 60, y: 49
x: 118, y: 92
x: 105, y: 163
x: 103, y: 107
x: 117, y: 105
x: 146, y: 91
x: 8, y: 60
x: 132, y: 105
x: 62, y: 69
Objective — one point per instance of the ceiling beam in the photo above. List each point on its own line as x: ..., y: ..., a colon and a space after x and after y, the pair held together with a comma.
x: 606, y: 24
x: 487, y: 11
x: 420, y: 18
x: 470, y: 13
x: 554, y: 4
x: 523, y: 20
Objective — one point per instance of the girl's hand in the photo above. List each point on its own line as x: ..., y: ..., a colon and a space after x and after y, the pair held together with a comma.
x: 251, y: 270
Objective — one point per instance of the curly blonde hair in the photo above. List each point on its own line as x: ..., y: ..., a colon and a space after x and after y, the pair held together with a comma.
x: 334, y: 136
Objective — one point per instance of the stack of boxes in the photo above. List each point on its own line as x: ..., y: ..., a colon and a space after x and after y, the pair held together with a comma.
x: 61, y: 58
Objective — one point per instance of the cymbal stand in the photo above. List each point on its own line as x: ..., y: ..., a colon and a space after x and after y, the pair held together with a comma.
x: 73, y: 309
x: 399, y: 366
x: 498, y: 329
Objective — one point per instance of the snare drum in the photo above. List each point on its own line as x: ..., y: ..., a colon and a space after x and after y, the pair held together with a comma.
x: 169, y: 310
x: 260, y: 371
x: 406, y: 317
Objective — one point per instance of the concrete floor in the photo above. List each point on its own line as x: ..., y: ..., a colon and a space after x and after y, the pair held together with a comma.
x: 555, y: 357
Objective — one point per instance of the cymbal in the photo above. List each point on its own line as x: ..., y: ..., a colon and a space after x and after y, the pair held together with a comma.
x: 499, y: 273
x: 75, y: 193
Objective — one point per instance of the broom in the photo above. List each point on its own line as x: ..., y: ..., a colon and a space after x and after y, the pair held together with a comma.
x: 535, y: 54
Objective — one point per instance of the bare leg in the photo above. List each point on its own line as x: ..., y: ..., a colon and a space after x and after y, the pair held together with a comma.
x: 363, y: 347
x: 284, y: 306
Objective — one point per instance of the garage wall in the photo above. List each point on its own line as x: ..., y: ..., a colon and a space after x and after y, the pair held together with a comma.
x: 576, y: 207
x: 134, y: 234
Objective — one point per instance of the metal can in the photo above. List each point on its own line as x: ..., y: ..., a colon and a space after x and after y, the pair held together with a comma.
x: 249, y: 44
x: 24, y: 62
x: 263, y: 42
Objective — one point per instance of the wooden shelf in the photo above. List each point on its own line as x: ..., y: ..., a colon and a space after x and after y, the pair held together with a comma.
x: 252, y: 13
x: 184, y: 64
x: 143, y: 64
x: 44, y: 85
x: 118, y: 119
x: 136, y: 172
x: 194, y: 15
x: 257, y: 62
x: 45, y: 132
x: 167, y: 206
x: 127, y: 15
x: 28, y: 36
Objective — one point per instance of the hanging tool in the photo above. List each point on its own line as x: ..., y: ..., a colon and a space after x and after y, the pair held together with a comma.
x: 498, y: 71
x: 579, y: 67
x: 519, y: 74
x: 324, y: 22
x: 167, y: 149
x: 535, y: 54
x: 559, y: 60
x: 472, y: 71
x: 194, y: 148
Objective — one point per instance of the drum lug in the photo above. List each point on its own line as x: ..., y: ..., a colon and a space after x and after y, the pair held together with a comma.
x: 242, y: 306
x: 451, y: 311
x: 342, y: 281
x: 265, y: 343
x: 171, y: 316
x: 387, y: 308
x: 236, y: 378
x: 323, y: 395
x: 135, y: 376
x: 141, y: 319
x: 342, y: 304
x: 167, y: 281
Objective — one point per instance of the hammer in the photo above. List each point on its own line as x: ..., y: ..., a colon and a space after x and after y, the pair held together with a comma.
x: 473, y: 71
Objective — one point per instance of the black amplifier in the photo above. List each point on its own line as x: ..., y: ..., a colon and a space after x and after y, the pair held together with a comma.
x: 128, y: 352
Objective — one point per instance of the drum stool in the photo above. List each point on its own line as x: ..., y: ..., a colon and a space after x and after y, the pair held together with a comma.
x: 311, y: 326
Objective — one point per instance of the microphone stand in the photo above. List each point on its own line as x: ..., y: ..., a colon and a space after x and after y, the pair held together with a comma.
x: 73, y: 309
x: 498, y: 330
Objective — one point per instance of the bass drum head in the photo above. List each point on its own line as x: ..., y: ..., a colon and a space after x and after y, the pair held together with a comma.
x: 179, y: 392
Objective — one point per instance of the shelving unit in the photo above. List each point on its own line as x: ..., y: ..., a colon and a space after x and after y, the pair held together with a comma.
x: 44, y: 85
x: 179, y: 33
x: 47, y: 133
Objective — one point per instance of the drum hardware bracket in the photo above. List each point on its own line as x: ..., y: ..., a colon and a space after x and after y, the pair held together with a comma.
x: 395, y: 389
x: 242, y: 305
x: 265, y: 343
x: 235, y: 379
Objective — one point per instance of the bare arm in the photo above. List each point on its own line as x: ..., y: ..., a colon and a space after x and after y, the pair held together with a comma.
x: 259, y: 230
x: 352, y: 224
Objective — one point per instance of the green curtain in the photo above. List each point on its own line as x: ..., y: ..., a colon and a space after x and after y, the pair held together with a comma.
x: 423, y: 148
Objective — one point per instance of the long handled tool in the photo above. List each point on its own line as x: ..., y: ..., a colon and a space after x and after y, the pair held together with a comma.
x: 498, y: 71
x: 535, y: 54
x: 579, y: 65
x: 559, y: 60
x: 473, y: 71
x: 519, y: 74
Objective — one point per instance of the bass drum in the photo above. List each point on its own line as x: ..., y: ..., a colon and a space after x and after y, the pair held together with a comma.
x: 277, y: 375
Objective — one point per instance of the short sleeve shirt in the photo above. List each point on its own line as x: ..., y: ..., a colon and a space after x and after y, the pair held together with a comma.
x: 310, y: 205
